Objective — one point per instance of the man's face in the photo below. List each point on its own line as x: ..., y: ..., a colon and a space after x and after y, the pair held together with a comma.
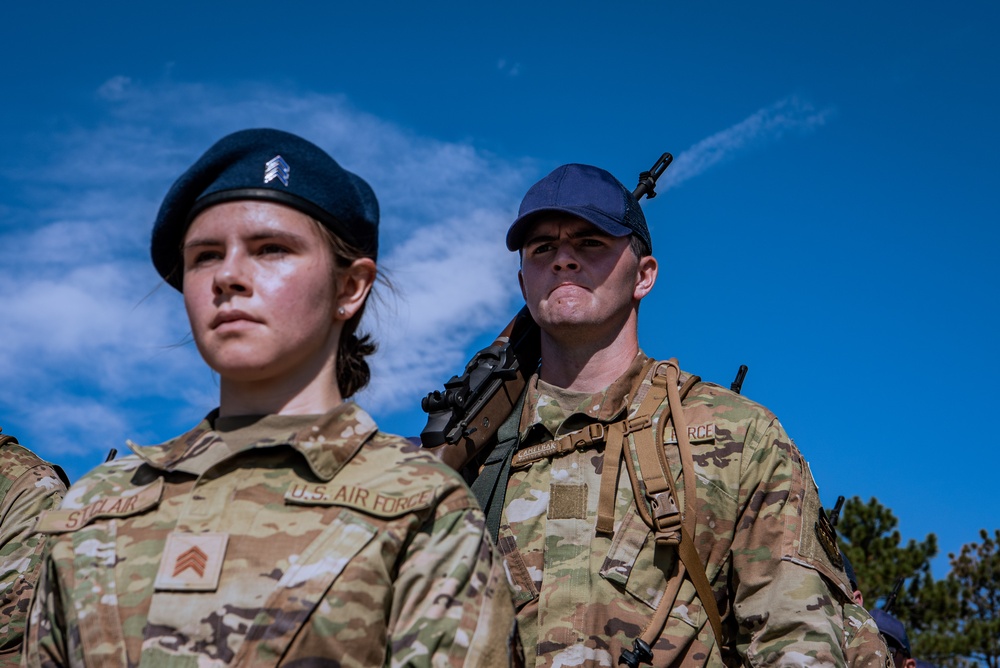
x: 577, y: 279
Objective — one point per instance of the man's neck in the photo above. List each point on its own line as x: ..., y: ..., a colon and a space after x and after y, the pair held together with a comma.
x: 588, y: 366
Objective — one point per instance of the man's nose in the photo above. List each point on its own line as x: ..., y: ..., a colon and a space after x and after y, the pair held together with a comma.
x: 565, y: 258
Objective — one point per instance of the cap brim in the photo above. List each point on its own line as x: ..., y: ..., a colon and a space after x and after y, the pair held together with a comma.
x: 520, y: 227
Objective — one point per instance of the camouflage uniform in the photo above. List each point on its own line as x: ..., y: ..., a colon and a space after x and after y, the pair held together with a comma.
x: 864, y: 646
x: 338, y: 545
x: 27, y: 487
x: 582, y: 596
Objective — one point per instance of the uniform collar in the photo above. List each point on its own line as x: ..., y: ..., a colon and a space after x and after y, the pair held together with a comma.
x: 327, y: 444
x: 603, y: 406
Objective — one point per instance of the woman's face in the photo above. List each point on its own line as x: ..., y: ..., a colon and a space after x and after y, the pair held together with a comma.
x: 259, y: 292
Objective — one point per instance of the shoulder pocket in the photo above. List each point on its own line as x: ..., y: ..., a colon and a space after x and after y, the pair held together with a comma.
x: 636, y: 564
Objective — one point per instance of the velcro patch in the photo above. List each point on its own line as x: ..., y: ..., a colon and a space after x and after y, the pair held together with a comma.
x: 136, y: 501
x: 191, y: 562
x: 364, y: 499
x: 567, y: 502
x: 827, y: 537
x: 697, y: 433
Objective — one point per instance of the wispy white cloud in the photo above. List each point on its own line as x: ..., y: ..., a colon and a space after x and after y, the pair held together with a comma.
x: 98, y: 350
x: 791, y: 114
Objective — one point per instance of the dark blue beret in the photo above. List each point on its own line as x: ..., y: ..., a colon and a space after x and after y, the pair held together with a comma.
x: 269, y: 165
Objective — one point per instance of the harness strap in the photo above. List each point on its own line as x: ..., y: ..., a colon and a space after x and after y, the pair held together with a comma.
x: 490, y: 487
x: 686, y: 549
x: 576, y: 440
x: 617, y: 433
x: 609, y: 479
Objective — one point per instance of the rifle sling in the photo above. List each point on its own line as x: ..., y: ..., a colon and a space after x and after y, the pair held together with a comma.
x: 490, y: 487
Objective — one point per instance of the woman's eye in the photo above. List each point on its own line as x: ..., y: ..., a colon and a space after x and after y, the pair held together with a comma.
x: 201, y: 257
x: 271, y: 249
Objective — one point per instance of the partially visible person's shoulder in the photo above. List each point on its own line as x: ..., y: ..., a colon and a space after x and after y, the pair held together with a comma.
x: 714, y: 411
x: 17, y: 461
x: 397, y: 466
x: 725, y: 404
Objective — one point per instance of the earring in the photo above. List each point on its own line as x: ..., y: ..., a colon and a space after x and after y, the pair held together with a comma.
x: 341, y: 311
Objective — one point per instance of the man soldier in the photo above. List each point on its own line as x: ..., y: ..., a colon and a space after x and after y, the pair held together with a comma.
x: 863, y: 644
x: 634, y: 530
x: 27, y: 487
x: 895, y: 637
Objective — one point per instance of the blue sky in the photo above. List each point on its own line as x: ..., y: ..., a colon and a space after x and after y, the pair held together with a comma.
x: 830, y: 220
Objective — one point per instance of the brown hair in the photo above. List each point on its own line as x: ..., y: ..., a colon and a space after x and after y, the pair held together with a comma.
x: 353, y: 372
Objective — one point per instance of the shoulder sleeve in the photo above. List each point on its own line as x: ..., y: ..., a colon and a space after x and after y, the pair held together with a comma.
x: 451, y: 597
x: 787, y: 609
x: 36, y: 489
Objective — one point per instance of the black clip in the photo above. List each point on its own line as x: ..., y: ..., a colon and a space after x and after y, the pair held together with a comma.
x: 640, y: 653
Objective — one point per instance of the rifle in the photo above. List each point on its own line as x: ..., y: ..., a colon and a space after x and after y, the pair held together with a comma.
x: 835, y: 513
x: 741, y: 375
x: 466, y: 415
x: 891, y: 601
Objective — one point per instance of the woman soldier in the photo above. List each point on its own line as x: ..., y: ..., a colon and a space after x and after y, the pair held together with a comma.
x: 285, y: 529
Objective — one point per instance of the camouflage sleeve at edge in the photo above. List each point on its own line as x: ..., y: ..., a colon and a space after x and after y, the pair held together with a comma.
x: 451, y: 598
x: 44, y: 643
x: 786, y: 611
x: 36, y: 490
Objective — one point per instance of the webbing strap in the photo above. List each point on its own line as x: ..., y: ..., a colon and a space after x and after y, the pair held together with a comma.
x: 490, y: 488
x: 609, y: 479
x: 688, y: 551
x: 617, y: 433
x: 664, y: 516
x: 576, y: 440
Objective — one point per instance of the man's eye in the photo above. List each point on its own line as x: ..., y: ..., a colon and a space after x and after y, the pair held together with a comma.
x: 591, y: 242
x: 541, y: 248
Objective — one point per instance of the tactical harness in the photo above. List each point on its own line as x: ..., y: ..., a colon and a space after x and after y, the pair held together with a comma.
x: 649, y: 475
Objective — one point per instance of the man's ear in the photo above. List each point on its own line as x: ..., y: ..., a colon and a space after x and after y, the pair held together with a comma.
x: 520, y: 281
x: 645, y: 276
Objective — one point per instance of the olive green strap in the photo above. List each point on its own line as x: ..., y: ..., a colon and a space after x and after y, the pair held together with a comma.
x: 490, y: 487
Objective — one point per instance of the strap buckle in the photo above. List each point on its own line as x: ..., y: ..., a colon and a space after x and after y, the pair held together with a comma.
x: 637, y: 423
x: 664, y: 507
x: 594, y: 433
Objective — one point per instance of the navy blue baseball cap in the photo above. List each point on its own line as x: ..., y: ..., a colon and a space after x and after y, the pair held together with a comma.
x: 585, y: 191
x: 269, y: 165
x: 892, y: 629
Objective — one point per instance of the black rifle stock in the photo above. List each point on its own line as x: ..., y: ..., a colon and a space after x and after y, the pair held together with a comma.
x: 463, y: 417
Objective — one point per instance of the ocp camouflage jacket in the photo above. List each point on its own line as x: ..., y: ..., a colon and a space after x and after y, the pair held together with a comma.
x: 338, y: 545
x: 583, y: 596
x: 28, y: 486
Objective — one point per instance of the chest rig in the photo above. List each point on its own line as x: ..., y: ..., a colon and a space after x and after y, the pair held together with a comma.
x: 638, y: 440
